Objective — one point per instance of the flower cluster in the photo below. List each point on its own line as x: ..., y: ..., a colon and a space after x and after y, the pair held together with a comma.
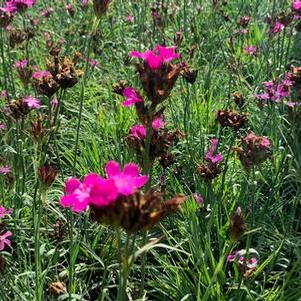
x: 117, y: 199
x: 246, y: 265
x: 276, y: 90
x: 254, y: 150
x: 13, y: 6
x: 211, y: 169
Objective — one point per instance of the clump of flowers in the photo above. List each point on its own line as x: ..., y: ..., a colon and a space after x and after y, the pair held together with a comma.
x: 245, y: 260
x: 229, y: 118
x: 14, y: 6
x: 20, y: 108
x: 254, y: 150
x: 45, y: 83
x: 211, y: 169
x: 5, y: 212
x: 275, y: 90
x: 117, y: 199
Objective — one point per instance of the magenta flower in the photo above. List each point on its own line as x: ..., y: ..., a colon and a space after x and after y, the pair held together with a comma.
x: 54, y: 103
x: 130, y: 19
x: 131, y: 97
x: 158, y: 56
x: 251, y: 50
x: 127, y: 180
x: 21, y: 64
x: 210, y: 156
x: 13, y: 6
x: 297, y: 6
x: 158, y: 123
x: 4, y: 170
x: 2, y: 126
x: 41, y: 74
x: 138, y: 131
x: 239, y: 257
x: 85, y: 3
x: 32, y: 102
x: 278, y: 27
x: 4, y: 241
x: 93, y: 190
x: 198, y: 198
x: 4, y: 211
x: 47, y: 12
x: 93, y: 63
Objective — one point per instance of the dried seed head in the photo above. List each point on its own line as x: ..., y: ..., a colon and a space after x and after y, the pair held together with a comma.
x: 209, y: 171
x: 101, y: 7
x: 238, y: 99
x: 57, y: 288
x: 237, y: 224
x: 47, y: 174
x: 38, y: 129
x: 228, y: 118
x: 189, y: 74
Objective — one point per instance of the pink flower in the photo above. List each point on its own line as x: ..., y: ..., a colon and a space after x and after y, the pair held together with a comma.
x: 2, y: 126
x: 54, y: 103
x: 4, y: 211
x: 93, y: 63
x: 32, y: 102
x: 85, y: 3
x: 251, y: 50
x: 131, y: 97
x: 47, y: 12
x: 210, y: 156
x: 93, y: 190
x: 158, y: 56
x: 297, y: 6
x: 130, y: 19
x: 4, y: 241
x: 158, y: 123
x: 4, y: 170
x: 198, y: 198
x: 127, y: 180
x: 278, y: 27
x: 41, y: 74
x: 138, y: 131
x: 4, y: 94
x: 21, y: 64
x: 13, y: 6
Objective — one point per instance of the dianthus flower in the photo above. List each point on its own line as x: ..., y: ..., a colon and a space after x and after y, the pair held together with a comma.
x: 4, y: 241
x: 93, y: 190
x: 127, y: 180
x: 4, y: 170
x: 138, y: 131
x: 32, y: 102
x: 131, y: 97
x: 14, y: 6
x: 21, y: 64
x: 214, y: 159
x: 4, y: 211
x: 158, y: 56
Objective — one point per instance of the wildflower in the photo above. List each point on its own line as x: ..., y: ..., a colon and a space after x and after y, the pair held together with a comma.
x: 41, y: 74
x: 296, y: 6
x: 138, y: 131
x: 158, y: 123
x: 157, y: 57
x: 45, y: 83
x: 199, y: 199
x: 4, y: 94
x: 237, y: 224
x: 47, y: 12
x: 70, y: 9
x: 101, y: 7
x: 4, y: 241
x: 278, y: 27
x: 211, y: 169
x: 4, y: 212
x: 157, y: 74
x: 93, y: 63
x: 210, y: 156
x: 254, y: 151
x: 32, y: 102
x: 54, y: 103
x: 130, y: 19
x: 2, y: 126
x: 93, y: 190
x: 244, y: 21
x: 131, y: 97
x: 13, y: 6
x: 127, y: 180
x: 228, y: 118
x: 4, y: 170
x: 251, y: 50
x: 85, y: 3
x: 24, y: 71
x: 47, y: 174
x: 246, y: 266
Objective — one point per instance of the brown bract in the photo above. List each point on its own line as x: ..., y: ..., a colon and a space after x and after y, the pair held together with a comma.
x: 47, y: 174
x: 46, y: 85
x: 209, y: 171
x: 57, y: 288
x: 18, y: 109
x: 228, y: 118
x: 5, y: 18
x: 158, y: 83
x: 237, y: 224
x: 137, y: 212
x: 101, y: 7
x: 39, y: 129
